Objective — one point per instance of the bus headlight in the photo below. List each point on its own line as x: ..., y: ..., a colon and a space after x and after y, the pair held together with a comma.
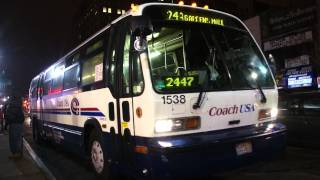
x: 177, y: 124
x: 164, y: 125
x: 274, y: 112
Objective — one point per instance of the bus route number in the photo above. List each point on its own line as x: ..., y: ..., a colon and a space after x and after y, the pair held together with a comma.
x: 179, y: 82
x: 175, y: 99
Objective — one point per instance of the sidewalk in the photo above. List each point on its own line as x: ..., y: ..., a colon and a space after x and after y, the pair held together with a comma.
x: 23, y: 169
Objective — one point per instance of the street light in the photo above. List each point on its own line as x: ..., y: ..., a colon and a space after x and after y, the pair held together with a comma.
x: 194, y: 4
x: 206, y: 7
x: 181, y: 3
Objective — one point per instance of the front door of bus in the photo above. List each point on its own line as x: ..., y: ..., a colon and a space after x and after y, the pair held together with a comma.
x: 120, y: 80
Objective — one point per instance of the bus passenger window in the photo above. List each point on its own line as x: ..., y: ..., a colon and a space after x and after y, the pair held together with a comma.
x: 92, y: 70
x: 94, y: 47
x: 47, y: 87
x: 71, y: 77
x: 73, y: 59
x: 57, y: 79
x: 33, y: 89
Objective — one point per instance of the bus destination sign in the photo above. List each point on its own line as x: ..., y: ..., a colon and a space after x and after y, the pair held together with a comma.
x: 177, y: 15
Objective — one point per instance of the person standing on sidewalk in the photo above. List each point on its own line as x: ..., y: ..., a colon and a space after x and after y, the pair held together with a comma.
x: 14, y: 116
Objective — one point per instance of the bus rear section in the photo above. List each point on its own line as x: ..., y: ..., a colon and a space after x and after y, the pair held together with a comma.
x: 212, y: 102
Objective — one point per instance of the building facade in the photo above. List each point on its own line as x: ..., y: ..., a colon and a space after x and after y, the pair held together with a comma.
x: 291, y: 38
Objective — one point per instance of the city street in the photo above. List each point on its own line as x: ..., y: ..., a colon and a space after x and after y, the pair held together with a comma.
x: 296, y: 164
x: 160, y: 89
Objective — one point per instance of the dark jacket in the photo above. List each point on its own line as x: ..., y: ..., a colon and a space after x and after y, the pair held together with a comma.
x: 13, y: 111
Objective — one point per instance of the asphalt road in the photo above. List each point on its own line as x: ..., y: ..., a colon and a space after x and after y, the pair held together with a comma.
x: 296, y: 164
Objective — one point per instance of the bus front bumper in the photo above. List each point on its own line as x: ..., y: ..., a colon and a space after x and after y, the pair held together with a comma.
x: 203, y: 154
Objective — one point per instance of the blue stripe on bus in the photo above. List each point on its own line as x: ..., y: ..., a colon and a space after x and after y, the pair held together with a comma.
x: 92, y: 114
x: 96, y: 113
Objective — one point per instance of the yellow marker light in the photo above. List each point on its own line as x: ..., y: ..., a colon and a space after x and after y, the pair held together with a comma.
x: 192, y: 123
x: 206, y: 7
x: 139, y: 112
x: 194, y: 4
x: 104, y: 10
x: 181, y: 3
x: 134, y: 8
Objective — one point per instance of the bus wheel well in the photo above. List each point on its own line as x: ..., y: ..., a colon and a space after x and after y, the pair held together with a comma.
x: 90, y: 126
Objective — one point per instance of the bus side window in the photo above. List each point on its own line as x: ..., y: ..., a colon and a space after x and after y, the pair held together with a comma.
x: 92, y: 66
x: 47, y: 82
x: 33, y: 89
x: 57, y: 79
x: 71, y: 74
x: 71, y: 77
x: 47, y: 87
x: 92, y: 70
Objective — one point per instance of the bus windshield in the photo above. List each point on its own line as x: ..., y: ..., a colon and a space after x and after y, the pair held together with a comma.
x: 187, y: 56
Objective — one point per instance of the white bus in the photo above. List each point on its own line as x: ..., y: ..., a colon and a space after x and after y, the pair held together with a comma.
x: 164, y: 91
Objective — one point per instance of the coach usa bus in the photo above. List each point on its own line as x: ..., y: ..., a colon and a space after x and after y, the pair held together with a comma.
x: 164, y: 91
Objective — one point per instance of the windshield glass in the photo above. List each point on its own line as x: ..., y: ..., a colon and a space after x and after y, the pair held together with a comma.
x: 189, y: 56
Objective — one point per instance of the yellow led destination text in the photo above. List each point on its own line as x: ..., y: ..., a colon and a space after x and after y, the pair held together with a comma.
x: 181, y: 16
x: 180, y: 82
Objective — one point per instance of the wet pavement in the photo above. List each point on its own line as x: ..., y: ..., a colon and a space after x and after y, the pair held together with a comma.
x: 17, y: 169
x: 296, y: 164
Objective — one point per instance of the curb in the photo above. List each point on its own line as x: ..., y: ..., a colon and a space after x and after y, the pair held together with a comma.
x: 38, y: 161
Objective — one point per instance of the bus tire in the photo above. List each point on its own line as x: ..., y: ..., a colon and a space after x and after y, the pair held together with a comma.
x: 98, y: 158
x: 35, y: 132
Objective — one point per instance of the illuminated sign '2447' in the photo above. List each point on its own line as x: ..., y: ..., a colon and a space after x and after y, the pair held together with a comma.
x: 181, y: 16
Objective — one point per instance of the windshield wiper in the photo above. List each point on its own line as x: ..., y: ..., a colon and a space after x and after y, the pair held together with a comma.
x: 200, y: 98
x: 197, y: 105
x: 263, y: 96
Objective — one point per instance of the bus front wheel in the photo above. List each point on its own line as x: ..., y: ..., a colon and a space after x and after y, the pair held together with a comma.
x: 98, y: 158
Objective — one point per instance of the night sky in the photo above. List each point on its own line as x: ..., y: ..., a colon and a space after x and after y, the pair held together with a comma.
x: 33, y: 35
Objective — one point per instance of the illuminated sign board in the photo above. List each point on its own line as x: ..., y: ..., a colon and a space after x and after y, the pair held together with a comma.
x: 299, y: 77
x: 298, y: 80
x: 158, y: 13
x: 176, y: 15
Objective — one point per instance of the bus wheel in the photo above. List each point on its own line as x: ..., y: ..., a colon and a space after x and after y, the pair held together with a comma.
x: 97, y: 156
